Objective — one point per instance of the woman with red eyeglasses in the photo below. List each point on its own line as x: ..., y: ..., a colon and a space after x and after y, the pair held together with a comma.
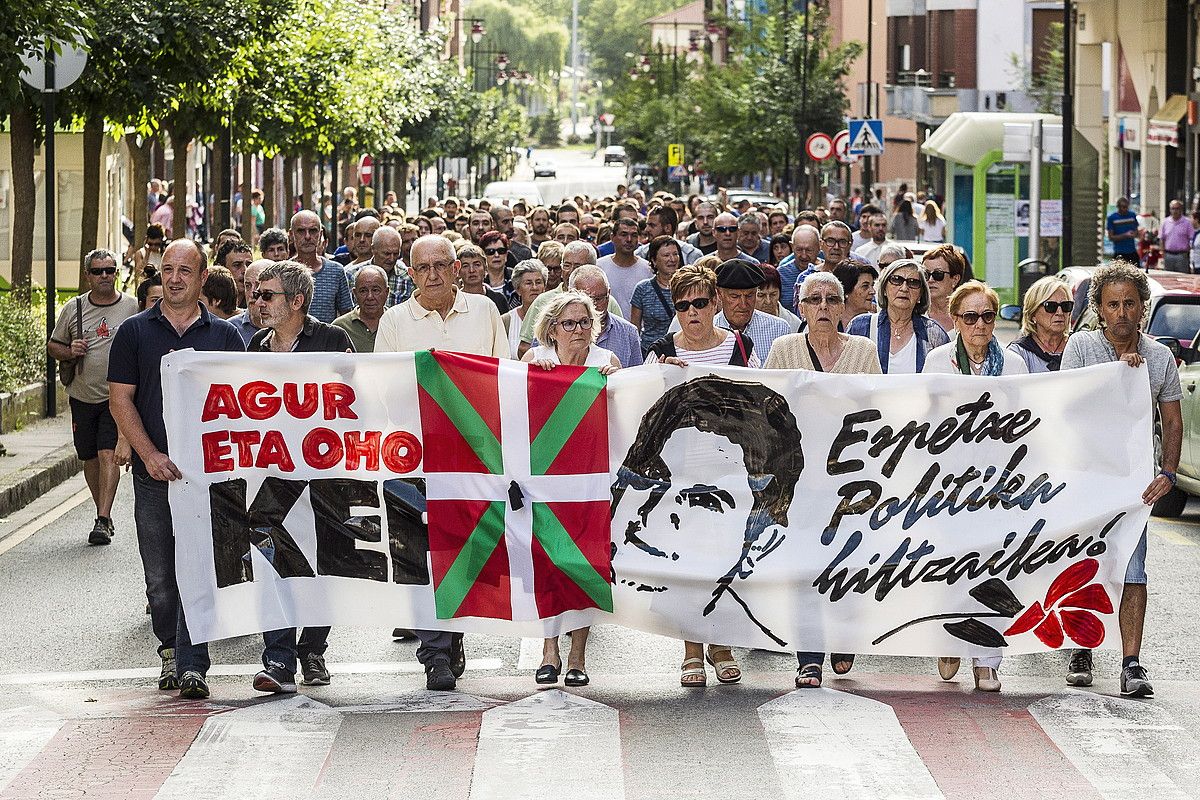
x: 1045, y: 319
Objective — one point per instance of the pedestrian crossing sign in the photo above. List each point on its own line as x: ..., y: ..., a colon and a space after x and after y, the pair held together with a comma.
x: 678, y: 173
x: 866, y: 137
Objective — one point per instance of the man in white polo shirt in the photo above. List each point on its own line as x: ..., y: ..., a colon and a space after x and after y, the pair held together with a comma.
x: 442, y: 316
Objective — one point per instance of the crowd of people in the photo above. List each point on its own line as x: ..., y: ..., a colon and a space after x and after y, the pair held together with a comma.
x: 609, y: 283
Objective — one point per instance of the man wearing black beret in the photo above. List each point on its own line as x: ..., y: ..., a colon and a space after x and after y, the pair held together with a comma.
x: 737, y: 292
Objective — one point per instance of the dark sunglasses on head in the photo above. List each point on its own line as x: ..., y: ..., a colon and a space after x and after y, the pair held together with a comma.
x: 939, y: 275
x: 971, y: 317
x: 491, y: 251
x: 266, y: 295
x: 900, y: 280
x: 700, y: 302
x: 102, y: 270
x: 1052, y: 307
x: 725, y: 228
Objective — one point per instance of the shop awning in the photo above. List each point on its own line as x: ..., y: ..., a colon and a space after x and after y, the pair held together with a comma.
x: 966, y: 137
x: 1163, y: 127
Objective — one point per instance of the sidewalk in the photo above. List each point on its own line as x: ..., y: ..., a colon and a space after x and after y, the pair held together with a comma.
x: 38, y: 457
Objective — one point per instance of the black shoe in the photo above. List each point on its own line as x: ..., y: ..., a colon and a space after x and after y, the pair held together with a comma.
x: 439, y: 677
x: 167, y: 682
x: 275, y: 680
x: 458, y: 656
x: 101, y: 533
x: 1079, y: 668
x: 192, y: 686
x: 1134, y: 682
x: 313, y: 667
x: 399, y: 634
x: 547, y: 675
x: 576, y: 677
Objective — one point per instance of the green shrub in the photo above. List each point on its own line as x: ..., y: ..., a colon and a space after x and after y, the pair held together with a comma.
x: 22, y: 341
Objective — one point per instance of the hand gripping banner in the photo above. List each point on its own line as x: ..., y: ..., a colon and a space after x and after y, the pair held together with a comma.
x: 912, y: 515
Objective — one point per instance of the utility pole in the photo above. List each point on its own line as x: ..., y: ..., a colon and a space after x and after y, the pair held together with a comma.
x: 574, y: 67
x: 1068, y: 134
x: 802, y: 122
x: 867, y: 172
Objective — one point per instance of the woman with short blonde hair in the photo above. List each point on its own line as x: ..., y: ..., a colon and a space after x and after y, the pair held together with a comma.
x: 1045, y: 321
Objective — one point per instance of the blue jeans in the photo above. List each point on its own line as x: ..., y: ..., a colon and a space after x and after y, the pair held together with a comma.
x: 1135, y: 571
x: 156, y: 542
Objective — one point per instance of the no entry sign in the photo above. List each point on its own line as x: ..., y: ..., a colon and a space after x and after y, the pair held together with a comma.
x: 366, y: 168
x: 819, y: 146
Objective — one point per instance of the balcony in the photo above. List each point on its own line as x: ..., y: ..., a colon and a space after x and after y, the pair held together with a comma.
x: 927, y: 105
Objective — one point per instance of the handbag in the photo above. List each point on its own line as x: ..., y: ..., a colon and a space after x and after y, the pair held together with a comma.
x: 67, y: 369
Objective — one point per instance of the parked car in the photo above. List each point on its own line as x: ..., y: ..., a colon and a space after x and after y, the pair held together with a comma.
x: 509, y: 192
x: 1188, y: 475
x: 760, y: 200
x: 544, y: 169
x: 614, y: 154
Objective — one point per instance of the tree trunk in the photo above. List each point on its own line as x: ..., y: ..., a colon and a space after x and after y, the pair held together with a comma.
x: 179, y: 180
x: 93, y: 144
x: 23, y: 127
x: 247, y: 206
x: 268, y: 189
x: 306, y: 183
x: 140, y: 155
x: 213, y: 202
x: 289, y: 188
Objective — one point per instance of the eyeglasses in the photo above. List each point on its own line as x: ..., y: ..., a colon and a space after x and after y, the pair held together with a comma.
x: 1051, y: 307
x: 900, y: 280
x: 102, y: 270
x: 569, y: 325
x: 817, y: 299
x: 972, y: 317
x: 440, y: 266
x: 725, y: 228
x: 492, y: 251
x: 700, y: 302
x: 267, y: 295
x: 832, y: 242
x: 938, y: 275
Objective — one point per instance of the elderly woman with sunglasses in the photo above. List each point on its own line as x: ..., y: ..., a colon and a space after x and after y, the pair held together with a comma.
x: 944, y: 268
x: 567, y: 328
x: 903, y: 335
x: 974, y: 351
x: 700, y: 341
x: 1045, y: 318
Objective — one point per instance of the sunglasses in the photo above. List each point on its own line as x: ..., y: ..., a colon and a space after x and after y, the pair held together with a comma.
x: 102, y: 270
x: 492, y: 251
x: 900, y: 280
x: 266, y: 295
x: 569, y: 325
x: 817, y: 299
x: 725, y: 228
x: 971, y: 317
x: 939, y: 275
x: 1051, y: 307
x: 700, y: 302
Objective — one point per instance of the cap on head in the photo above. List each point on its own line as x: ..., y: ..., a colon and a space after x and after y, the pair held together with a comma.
x: 738, y: 274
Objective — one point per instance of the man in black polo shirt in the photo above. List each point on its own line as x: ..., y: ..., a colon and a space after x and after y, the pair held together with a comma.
x: 178, y: 322
x: 284, y: 293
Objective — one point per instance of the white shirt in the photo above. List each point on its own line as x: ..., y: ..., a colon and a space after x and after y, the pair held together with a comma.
x: 472, y: 326
x: 597, y: 356
x: 870, y: 252
x: 623, y: 280
x: 932, y: 231
x: 944, y: 360
x: 904, y: 361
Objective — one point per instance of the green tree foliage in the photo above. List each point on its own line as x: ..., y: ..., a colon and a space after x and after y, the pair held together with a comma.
x: 609, y: 29
x: 1046, y: 87
x: 536, y: 41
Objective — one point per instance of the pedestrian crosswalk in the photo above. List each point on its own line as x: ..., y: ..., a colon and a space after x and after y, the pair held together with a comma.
x: 884, y: 736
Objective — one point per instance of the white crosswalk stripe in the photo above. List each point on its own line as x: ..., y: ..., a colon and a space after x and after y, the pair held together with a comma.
x: 551, y: 744
x: 24, y: 732
x: 275, y: 749
x: 834, y: 744
x: 1116, y: 744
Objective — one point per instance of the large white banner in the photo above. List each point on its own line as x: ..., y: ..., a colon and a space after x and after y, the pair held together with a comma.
x: 786, y: 510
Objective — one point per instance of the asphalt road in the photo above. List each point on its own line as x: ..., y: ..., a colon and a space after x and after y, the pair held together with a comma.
x: 78, y: 707
x: 578, y: 173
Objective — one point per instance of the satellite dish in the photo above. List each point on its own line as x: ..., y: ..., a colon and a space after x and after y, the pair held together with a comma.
x: 68, y: 66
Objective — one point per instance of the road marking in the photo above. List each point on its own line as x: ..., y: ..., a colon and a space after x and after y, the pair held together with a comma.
x: 239, y: 670
x: 531, y: 654
x: 827, y: 743
x: 423, y: 702
x: 274, y: 749
x: 1173, y: 532
x: 552, y: 744
x: 11, y: 540
x: 24, y: 732
x: 1108, y: 740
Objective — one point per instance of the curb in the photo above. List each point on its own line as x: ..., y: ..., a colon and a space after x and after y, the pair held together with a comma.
x: 26, y: 485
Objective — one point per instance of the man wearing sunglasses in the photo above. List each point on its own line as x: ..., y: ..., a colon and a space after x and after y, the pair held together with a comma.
x: 81, y: 338
x: 725, y: 229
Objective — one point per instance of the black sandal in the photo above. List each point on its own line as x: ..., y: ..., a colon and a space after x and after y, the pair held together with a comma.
x: 808, y: 672
x: 576, y: 677
x: 841, y: 658
x: 547, y: 674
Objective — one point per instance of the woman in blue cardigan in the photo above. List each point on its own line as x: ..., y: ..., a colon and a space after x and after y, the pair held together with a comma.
x: 901, y: 331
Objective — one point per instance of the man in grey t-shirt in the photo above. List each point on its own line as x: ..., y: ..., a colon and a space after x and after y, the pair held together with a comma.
x: 1119, y: 293
x: 623, y: 268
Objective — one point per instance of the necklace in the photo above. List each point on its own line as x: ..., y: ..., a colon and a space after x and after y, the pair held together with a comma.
x: 899, y: 331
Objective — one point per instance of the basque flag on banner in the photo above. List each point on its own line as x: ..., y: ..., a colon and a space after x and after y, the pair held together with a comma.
x: 517, y: 479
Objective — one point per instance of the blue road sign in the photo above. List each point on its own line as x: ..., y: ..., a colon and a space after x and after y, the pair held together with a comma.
x: 866, y: 137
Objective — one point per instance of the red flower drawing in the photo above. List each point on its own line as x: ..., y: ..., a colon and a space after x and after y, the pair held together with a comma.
x: 1069, y: 604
